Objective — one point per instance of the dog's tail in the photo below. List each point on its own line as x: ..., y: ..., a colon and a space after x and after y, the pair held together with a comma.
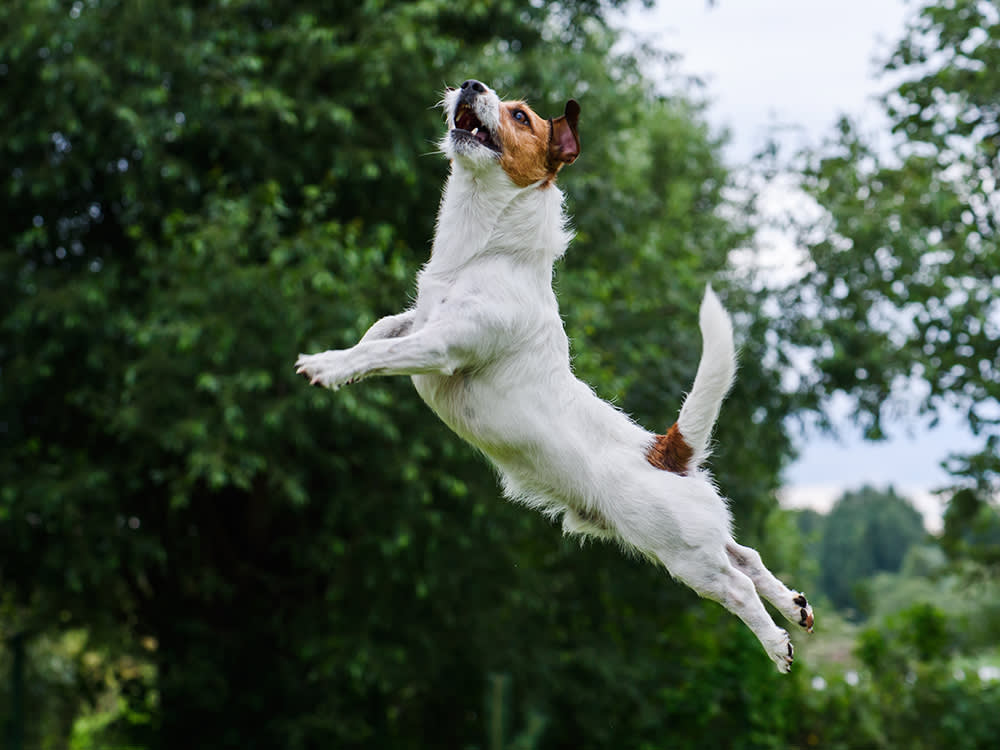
x: 685, y: 447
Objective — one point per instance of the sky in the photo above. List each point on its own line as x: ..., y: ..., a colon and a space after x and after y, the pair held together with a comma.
x: 801, y: 65
x: 793, y: 62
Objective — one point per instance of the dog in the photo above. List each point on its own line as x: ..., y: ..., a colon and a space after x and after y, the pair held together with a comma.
x: 486, y: 349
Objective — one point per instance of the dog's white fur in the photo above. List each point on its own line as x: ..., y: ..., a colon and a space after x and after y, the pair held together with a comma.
x: 485, y: 346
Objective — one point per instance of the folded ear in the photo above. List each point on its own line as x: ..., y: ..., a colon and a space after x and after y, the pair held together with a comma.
x: 564, y: 141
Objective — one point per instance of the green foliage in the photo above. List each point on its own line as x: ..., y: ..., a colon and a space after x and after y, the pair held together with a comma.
x: 194, y: 193
x: 972, y: 529
x: 866, y: 532
x: 900, y: 294
x: 906, y: 690
x: 197, y: 545
x: 926, y: 704
x: 926, y: 708
x: 920, y: 633
x: 898, y: 303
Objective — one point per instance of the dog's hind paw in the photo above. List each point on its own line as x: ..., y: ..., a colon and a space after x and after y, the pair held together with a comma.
x: 802, y: 613
x: 782, y: 653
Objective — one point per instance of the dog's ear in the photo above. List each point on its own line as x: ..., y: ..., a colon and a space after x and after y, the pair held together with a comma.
x: 564, y: 141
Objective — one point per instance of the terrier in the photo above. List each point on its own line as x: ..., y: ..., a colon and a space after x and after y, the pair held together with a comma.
x: 485, y: 347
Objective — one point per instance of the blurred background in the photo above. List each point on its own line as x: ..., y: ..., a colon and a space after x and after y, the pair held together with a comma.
x: 199, y: 550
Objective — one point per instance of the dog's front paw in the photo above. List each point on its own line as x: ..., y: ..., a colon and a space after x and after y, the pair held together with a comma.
x: 329, y: 369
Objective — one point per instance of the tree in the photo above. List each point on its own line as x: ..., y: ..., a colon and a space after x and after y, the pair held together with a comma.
x: 972, y: 530
x: 900, y: 291
x: 865, y: 533
x: 194, y: 193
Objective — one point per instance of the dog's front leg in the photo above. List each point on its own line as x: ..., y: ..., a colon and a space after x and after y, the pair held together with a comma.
x: 390, y: 327
x: 432, y: 349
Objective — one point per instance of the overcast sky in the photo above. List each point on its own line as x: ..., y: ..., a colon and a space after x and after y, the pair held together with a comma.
x: 802, y: 64
x: 793, y: 62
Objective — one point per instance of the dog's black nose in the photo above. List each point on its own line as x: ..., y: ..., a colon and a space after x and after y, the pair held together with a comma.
x: 475, y: 85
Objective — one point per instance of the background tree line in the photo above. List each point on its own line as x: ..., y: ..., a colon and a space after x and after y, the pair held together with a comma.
x: 199, y: 550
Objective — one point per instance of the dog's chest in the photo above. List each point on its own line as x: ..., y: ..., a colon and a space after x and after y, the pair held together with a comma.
x: 520, y: 346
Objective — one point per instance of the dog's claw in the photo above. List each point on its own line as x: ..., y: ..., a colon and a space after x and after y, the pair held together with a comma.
x: 325, y: 369
x: 783, y: 653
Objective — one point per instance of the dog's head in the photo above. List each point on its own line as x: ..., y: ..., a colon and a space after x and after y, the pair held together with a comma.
x: 484, y: 131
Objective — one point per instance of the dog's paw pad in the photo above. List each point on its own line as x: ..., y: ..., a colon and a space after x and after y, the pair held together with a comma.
x: 804, y: 614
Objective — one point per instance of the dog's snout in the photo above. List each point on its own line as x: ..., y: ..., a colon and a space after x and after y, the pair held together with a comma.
x: 474, y: 85
x: 471, y: 91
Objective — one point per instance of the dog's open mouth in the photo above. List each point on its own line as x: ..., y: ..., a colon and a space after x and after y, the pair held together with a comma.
x: 467, y: 125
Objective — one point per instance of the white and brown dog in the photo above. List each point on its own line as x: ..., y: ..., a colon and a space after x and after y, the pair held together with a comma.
x: 485, y: 347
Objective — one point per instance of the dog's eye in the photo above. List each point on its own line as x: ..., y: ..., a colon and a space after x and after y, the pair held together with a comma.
x: 518, y: 114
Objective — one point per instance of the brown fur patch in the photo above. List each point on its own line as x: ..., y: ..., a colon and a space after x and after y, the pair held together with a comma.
x: 532, y: 148
x: 670, y: 452
x: 524, y: 144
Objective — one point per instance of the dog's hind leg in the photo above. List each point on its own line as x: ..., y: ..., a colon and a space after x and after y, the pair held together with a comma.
x: 720, y: 581
x: 791, y: 604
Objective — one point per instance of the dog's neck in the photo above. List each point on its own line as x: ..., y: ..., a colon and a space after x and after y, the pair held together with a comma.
x: 484, y: 214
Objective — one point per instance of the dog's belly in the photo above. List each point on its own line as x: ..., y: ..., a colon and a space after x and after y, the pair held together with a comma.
x: 555, y: 445
x: 477, y: 411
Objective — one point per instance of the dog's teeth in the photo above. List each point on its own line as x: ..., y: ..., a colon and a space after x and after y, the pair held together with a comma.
x: 475, y: 130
